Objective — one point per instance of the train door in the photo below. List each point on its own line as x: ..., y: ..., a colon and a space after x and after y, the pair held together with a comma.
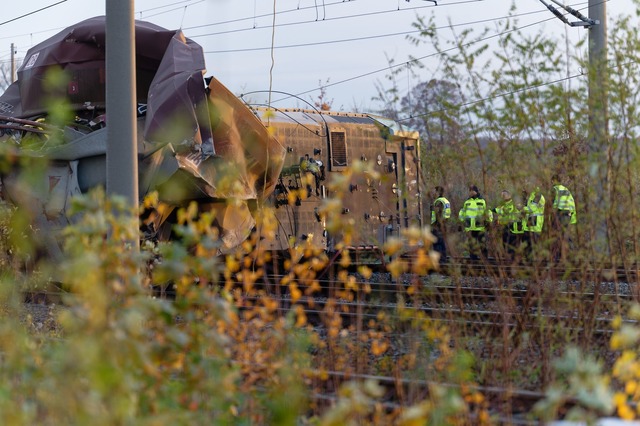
x: 409, y: 180
x: 390, y: 202
x: 298, y: 218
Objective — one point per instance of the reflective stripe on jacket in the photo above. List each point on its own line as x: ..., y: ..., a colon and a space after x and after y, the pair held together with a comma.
x: 509, y: 216
x: 564, y: 201
x: 446, y: 209
x: 534, y: 213
x: 474, y: 213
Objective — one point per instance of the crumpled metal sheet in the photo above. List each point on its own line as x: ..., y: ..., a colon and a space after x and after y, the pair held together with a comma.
x: 219, y: 149
x: 216, y: 137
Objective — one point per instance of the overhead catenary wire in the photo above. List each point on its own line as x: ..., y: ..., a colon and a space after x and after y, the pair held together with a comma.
x: 32, y: 12
x: 298, y: 9
x: 386, y: 68
x: 352, y: 39
x: 488, y: 98
x: 273, y: 63
x: 416, y: 60
x: 140, y: 12
x: 348, y: 40
x: 513, y: 92
x: 174, y: 9
x: 583, y: 21
x: 369, y: 14
x: 310, y: 21
x: 191, y: 2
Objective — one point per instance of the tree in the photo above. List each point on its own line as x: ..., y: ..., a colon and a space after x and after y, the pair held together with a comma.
x: 428, y: 106
x: 5, y: 76
x: 322, y: 102
x: 517, y: 111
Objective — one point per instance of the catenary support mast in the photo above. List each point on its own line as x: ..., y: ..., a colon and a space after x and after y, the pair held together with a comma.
x: 599, y: 164
x: 598, y: 168
x: 122, y: 152
x: 598, y: 76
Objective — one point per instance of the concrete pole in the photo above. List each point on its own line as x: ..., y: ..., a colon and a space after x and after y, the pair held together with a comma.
x: 599, y: 167
x: 122, y: 163
x: 122, y: 152
x: 598, y: 75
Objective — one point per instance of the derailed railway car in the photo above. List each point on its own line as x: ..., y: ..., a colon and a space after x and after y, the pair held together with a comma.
x: 196, y: 141
x: 326, y: 143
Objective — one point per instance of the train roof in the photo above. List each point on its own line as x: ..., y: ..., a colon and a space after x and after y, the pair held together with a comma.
x: 313, y: 117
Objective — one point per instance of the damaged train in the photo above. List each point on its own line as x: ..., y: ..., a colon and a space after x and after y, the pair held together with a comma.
x: 198, y: 142
x: 325, y: 143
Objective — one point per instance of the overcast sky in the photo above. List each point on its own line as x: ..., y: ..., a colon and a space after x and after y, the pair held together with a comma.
x: 347, y: 43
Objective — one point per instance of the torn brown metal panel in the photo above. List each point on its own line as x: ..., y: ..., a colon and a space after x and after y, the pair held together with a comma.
x: 260, y: 152
x: 197, y: 141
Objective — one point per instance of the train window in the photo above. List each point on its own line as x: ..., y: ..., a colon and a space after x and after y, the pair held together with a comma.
x: 338, y: 150
x: 391, y: 165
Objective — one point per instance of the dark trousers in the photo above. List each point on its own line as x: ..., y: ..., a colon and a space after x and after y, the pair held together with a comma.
x: 477, y: 244
x: 511, y: 242
x: 440, y: 245
x: 562, y: 242
x: 532, y: 241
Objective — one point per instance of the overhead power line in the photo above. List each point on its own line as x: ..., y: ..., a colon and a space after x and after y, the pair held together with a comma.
x: 404, y: 33
x: 488, y: 98
x: 521, y: 90
x: 32, y: 13
x: 298, y: 9
x: 391, y: 67
x: 582, y: 21
x: 166, y: 5
x: 15, y: 36
x: 404, y: 64
x: 387, y: 68
x: 336, y: 18
x: 172, y: 10
x: 62, y: 28
x: 192, y: 2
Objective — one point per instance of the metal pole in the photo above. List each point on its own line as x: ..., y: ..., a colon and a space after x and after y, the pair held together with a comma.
x: 598, y: 75
x: 598, y: 121
x: 122, y: 155
x: 13, y: 63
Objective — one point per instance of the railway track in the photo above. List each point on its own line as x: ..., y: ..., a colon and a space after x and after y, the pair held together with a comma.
x: 472, y: 301
x: 590, y: 271
x: 491, y: 320
x: 493, y: 310
x: 487, y: 306
x: 475, y: 306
